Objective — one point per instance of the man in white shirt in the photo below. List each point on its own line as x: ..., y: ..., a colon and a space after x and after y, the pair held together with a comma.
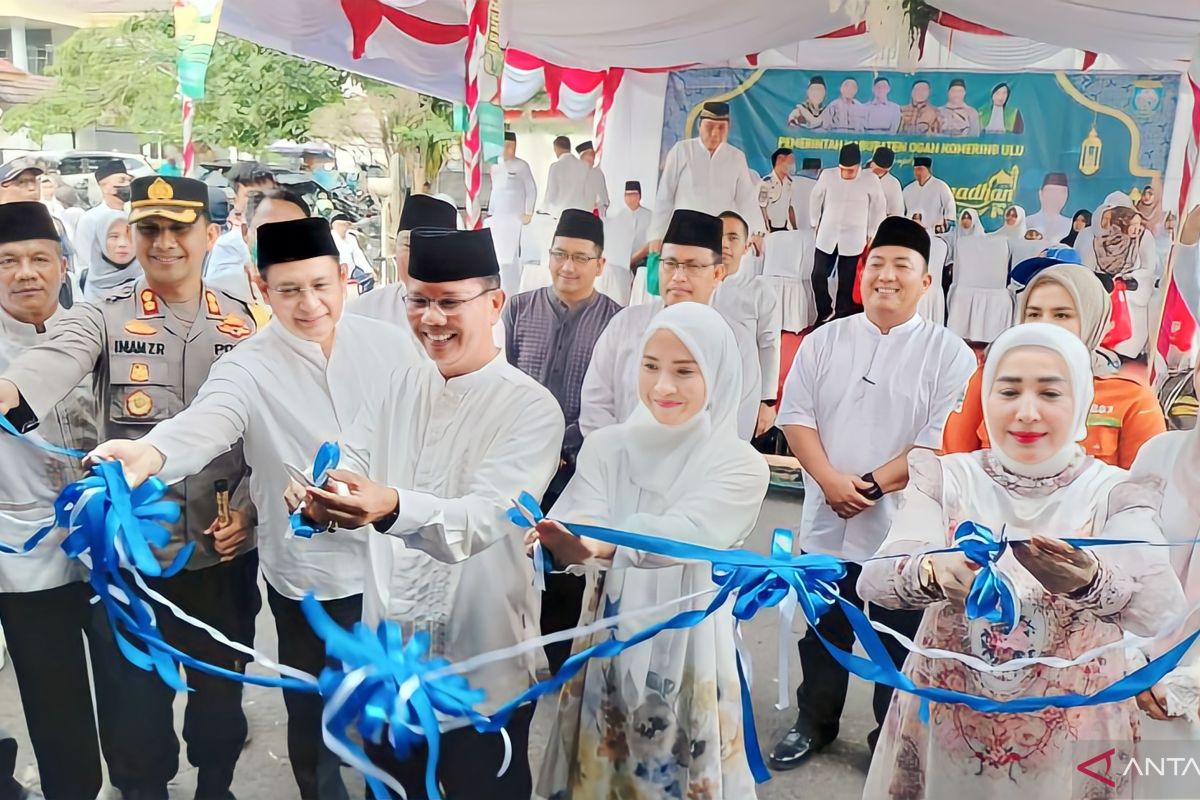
x: 642, y: 217
x: 893, y: 193
x: 113, y: 178
x: 453, y: 441
x: 567, y: 181
x: 776, y: 192
x: 286, y: 391
x: 350, y: 253
x: 750, y: 305
x: 862, y: 392
x: 881, y: 115
x: 846, y: 207
x: 514, y: 195
x: 930, y: 197
x: 690, y: 271
x: 705, y: 174
x: 387, y: 302
x: 596, y: 189
x: 44, y: 608
x: 1049, y: 218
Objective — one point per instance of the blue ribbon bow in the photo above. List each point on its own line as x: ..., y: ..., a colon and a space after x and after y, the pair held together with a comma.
x: 328, y: 457
x: 992, y: 596
x: 394, y: 695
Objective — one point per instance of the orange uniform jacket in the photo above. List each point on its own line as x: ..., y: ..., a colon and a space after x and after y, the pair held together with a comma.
x: 1124, y: 415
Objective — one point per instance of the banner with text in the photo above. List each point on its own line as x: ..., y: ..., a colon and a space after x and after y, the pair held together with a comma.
x: 994, y: 137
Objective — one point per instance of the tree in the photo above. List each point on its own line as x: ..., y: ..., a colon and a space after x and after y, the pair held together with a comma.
x: 124, y: 77
x: 400, y: 122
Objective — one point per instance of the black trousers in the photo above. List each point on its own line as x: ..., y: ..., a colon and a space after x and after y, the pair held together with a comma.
x: 317, y: 770
x: 823, y: 265
x: 562, y: 602
x: 137, y: 731
x: 822, y: 694
x: 45, y: 633
x: 468, y: 764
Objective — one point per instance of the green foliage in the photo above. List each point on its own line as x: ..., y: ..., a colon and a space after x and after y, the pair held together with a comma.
x: 124, y: 77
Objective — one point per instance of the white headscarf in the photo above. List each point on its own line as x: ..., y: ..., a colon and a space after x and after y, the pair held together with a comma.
x: 976, y: 227
x: 666, y: 459
x: 1079, y: 369
x: 1011, y: 231
x: 103, y: 274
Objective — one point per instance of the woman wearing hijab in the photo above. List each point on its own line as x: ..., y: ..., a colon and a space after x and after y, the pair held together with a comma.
x: 1126, y: 413
x: 1149, y: 205
x: 1036, y: 487
x: 997, y: 117
x: 1118, y: 246
x: 1079, y: 223
x: 1013, y: 228
x: 1173, y: 705
x: 666, y: 713
x: 112, y: 260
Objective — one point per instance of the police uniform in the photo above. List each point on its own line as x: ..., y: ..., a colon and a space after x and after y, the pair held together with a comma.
x: 147, y: 364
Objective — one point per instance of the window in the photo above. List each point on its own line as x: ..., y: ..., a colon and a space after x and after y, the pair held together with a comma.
x: 39, y: 49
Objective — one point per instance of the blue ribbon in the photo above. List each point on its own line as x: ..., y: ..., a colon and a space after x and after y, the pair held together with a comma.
x: 992, y: 596
x: 42, y: 444
x: 328, y: 457
x: 758, y: 581
x: 375, y: 707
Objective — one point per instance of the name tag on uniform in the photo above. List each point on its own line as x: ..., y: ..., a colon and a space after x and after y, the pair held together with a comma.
x: 130, y: 347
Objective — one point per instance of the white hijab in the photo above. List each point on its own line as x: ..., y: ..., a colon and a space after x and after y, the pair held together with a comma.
x: 1012, y: 231
x: 1079, y: 369
x: 670, y: 459
x: 976, y: 226
x: 102, y: 274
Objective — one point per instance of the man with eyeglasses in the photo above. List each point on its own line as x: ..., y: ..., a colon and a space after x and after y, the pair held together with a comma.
x: 549, y: 335
x: 150, y: 346
x: 455, y: 439
x: 285, y: 391
x: 690, y: 270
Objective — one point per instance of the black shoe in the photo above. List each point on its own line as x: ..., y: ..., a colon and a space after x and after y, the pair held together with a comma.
x: 226, y: 795
x: 795, y: 748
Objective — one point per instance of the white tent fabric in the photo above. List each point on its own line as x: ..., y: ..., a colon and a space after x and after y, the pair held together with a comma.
x: 660, y: 33
x: 319, y: 30
x: 1166, y: 29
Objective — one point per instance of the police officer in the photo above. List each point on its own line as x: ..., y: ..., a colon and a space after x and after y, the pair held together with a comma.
x: 149, y: 347
x: 44, y: 603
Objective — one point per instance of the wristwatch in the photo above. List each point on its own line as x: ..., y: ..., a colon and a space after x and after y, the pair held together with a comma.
x: 876, y: 491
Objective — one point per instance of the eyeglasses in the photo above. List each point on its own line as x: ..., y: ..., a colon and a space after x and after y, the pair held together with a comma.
x: 448, y: 306
x: 296, y: 292
x: 690, y: 268
x: 578, y: 259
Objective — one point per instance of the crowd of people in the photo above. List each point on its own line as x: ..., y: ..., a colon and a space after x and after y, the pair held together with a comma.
x: 221, y: 360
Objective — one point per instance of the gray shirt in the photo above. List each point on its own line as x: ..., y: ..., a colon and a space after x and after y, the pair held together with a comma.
x: 553, y: 344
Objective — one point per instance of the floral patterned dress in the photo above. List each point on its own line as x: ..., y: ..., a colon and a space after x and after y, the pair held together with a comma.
x: 662, y: 720
x: 961, y: 752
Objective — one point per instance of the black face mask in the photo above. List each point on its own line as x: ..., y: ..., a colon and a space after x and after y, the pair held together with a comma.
x: 123, y: 193
x: 112, y: 263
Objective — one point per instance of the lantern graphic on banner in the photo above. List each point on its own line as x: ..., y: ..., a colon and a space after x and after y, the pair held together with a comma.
x: 1089, y: 153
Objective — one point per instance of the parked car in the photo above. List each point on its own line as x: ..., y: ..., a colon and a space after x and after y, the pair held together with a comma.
x: 76, y: 168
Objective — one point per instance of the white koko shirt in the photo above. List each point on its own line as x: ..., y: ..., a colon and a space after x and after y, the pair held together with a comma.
x: 280, y: 395
x: 870, y: 397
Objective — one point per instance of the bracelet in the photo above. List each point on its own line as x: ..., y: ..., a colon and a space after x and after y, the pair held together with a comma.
x: 876, y: 491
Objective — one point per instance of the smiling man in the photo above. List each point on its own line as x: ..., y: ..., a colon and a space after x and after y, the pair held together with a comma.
x: 549, y: 335
x: 149, y: 346
x: 862, y: 392
x: 43, y: 600
x: 453, y: 441
x: 286, y: 391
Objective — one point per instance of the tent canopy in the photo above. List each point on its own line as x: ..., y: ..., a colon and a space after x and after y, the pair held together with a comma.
x: 421, y: 44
